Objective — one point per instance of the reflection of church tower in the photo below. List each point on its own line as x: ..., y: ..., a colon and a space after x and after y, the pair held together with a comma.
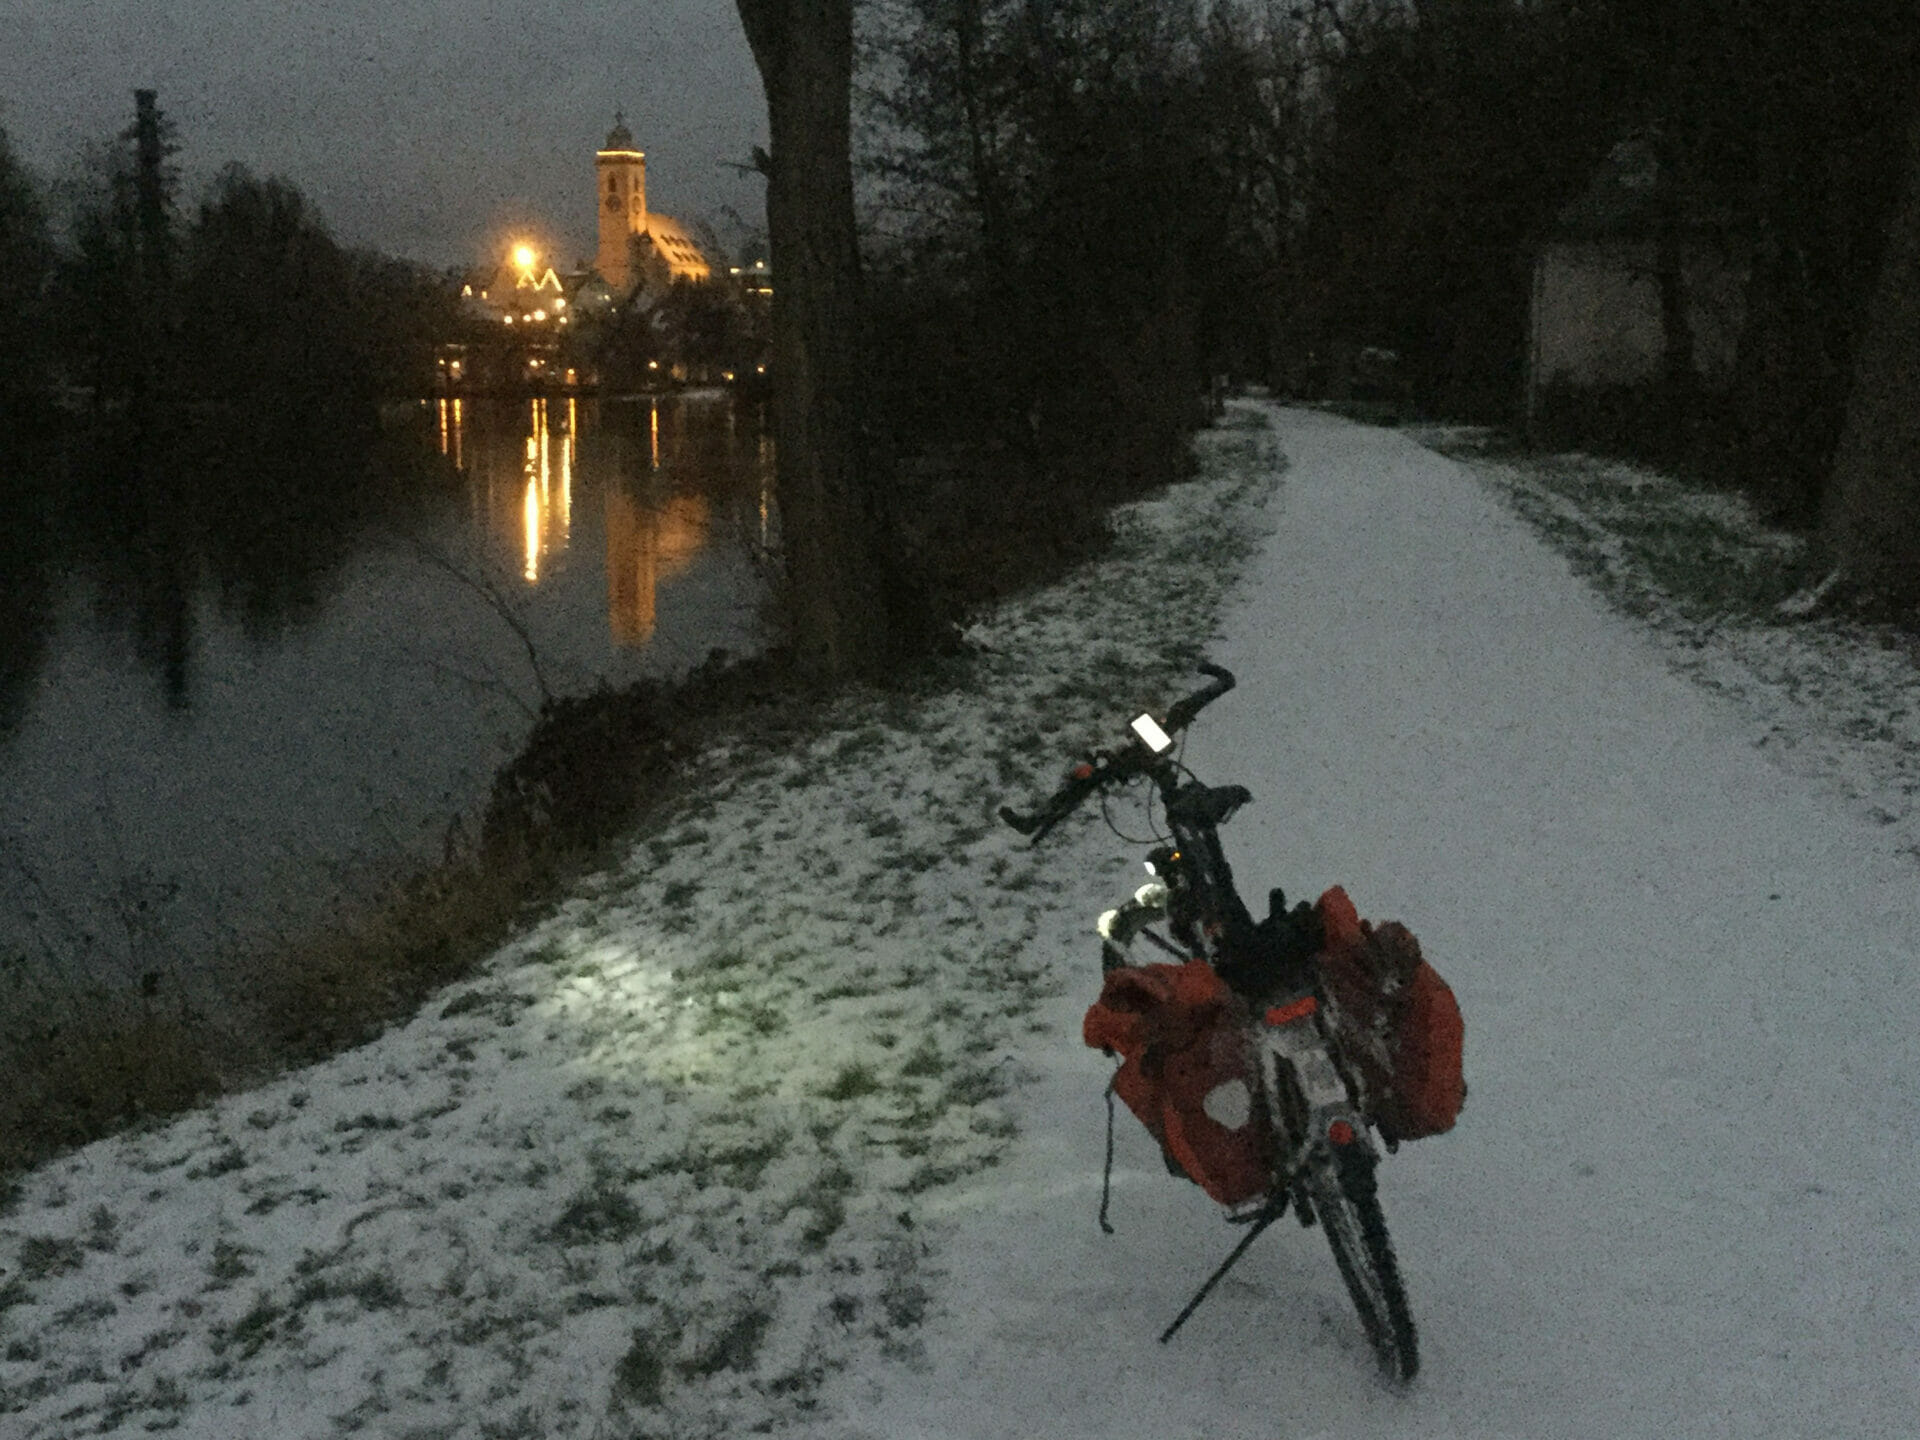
x: 622, y: 172
x: 647, y: 544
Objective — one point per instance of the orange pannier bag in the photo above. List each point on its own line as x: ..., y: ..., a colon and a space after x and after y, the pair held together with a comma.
x: 1185, y: 1072
x: 1395, y: 1020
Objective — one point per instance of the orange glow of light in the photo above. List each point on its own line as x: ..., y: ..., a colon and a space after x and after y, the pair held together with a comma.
x: 564, y: 510
x: 524, y: 256
x: 530, y: 518
x: 653, y: 423
x: 647, y: 545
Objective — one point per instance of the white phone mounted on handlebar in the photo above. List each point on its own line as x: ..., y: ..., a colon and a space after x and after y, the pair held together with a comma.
x: 1156, y: 739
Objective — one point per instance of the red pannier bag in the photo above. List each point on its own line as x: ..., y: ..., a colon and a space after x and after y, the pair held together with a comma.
x: 1185, y: 1071
x: 1395, y: 1020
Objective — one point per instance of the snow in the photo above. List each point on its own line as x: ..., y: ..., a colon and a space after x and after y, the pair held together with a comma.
x: 784, y: 1122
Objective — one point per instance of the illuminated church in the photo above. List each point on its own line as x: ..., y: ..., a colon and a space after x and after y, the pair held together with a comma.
x: 638, y: 245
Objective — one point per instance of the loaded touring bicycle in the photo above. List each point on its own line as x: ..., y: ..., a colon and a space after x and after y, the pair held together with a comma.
x: 1264, y: 1056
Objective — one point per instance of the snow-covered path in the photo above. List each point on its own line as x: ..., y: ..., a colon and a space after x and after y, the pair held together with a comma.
x: 1684, y: 1200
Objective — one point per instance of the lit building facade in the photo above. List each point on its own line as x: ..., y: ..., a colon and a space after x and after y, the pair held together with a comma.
x: 638, y: 245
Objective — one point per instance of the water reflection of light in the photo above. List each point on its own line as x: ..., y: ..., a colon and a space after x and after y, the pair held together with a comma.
x: 452, y: 426
x: 647, y: 544
x: 546, y: 509
x: 525, y: 460
x: 531, y: 514
x: 563, y: 510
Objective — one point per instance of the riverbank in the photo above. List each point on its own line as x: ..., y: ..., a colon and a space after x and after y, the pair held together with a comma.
x: 90, y: 1059
x: 687, y: 1118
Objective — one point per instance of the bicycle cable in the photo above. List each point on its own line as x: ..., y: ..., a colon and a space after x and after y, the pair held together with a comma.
x: 1106, y: 814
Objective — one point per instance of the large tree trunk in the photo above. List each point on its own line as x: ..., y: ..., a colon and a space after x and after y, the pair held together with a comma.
x: 1873, y: 510
x: 830, y: 526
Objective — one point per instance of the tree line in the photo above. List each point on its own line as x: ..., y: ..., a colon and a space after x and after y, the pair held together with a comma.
x: 240, y: 295
x: 1047, y: 222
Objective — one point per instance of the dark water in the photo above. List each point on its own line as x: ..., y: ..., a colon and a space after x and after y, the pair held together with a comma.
x: 251, y: 673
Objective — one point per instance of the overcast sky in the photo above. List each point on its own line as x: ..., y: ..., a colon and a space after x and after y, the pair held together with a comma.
x: 426, y: 128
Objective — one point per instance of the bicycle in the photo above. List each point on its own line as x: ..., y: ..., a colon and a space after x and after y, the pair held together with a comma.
x: 1311, y: 1102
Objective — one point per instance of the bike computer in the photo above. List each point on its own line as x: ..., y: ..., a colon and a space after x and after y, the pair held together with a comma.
x: 1156, y: 739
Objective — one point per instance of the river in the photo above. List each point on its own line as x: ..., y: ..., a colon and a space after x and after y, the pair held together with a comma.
x: 241, y: 696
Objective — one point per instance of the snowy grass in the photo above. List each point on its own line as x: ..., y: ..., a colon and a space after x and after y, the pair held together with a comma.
x: 1722, y: 593
x: 660, y: 1167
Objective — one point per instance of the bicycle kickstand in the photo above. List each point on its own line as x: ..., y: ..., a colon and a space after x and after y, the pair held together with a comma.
x: 1269, y: 1213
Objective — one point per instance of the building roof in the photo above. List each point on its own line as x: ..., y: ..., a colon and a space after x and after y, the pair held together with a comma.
x: 1621, y: 201
x: 619, y: 138
x: 681, y: 251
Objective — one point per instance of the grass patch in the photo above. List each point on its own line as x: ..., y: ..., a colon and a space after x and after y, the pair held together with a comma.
x: 44, y: 1256
x: 374, y: 1289
x: 229, y: 1263
x: 253, y: 1330
x: 925, y: 1063
x: 852, y: 1082
x: 639, y: 1378
x: 736, y: 1347
x: 599, y: 1214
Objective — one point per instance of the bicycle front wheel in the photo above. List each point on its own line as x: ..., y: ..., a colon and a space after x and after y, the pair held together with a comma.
x: 1348, y: 1207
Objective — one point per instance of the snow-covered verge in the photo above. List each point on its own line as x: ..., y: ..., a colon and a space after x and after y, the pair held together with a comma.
x: 1733, y: 603
x: 660, y: 1168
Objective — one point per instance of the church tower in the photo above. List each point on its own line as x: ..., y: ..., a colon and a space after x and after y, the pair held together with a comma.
x: 621, y: 170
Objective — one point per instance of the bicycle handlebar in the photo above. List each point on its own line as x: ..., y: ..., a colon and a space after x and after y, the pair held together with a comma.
x: 1106, y: 766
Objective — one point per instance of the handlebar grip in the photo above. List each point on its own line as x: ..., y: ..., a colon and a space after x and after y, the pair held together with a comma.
x: 1181, y: 715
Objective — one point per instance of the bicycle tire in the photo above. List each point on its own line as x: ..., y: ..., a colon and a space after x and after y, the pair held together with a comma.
x: 1347, y: 1205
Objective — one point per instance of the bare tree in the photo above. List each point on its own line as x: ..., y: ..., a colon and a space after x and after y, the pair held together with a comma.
x: 829, y: 520
x: 1872, y: 516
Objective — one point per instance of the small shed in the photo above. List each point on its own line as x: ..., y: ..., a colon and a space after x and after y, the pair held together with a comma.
x: 1594, y: 317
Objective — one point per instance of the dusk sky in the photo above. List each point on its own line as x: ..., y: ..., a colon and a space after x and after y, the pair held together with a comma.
x: 427, y: 128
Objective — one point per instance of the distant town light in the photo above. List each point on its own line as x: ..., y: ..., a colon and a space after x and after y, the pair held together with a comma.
x: 524, y: 256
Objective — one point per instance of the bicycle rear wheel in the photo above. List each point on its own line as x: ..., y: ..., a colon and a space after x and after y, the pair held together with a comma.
x: 1348, y: 1207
